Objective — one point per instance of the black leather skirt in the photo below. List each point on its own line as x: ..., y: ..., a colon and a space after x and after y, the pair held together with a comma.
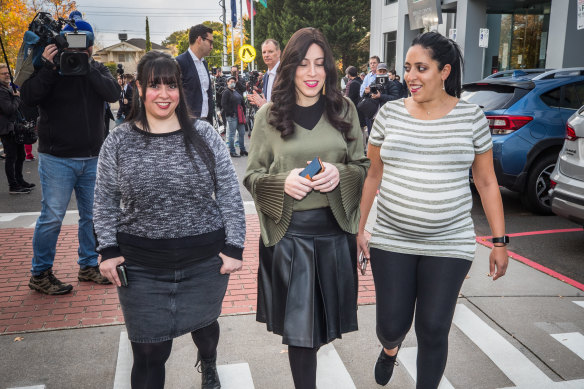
x: 307, y: 282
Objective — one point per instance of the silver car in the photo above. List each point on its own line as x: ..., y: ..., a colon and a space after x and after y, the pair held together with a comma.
x: 567, y: 179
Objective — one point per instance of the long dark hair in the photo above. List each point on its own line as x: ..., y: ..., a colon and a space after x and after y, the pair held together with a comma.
x: 444, y: 51
x: 160, y: 68
x: 284, y: 92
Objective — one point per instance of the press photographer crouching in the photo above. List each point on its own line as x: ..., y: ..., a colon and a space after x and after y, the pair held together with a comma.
x: 71, y: 132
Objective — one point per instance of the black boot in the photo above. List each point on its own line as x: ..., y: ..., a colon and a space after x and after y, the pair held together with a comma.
x: 208, y: 368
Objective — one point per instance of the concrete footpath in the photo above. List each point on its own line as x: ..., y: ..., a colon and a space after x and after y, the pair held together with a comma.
x: 525, y: 330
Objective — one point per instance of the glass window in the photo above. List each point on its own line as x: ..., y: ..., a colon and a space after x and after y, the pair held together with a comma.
x: 552, y: 98
x: 488, y: 99
x: 388, y: 2
x: 580, y: 93
x: 571, y: 100
x: 122, y: 57
x: 390, y: 49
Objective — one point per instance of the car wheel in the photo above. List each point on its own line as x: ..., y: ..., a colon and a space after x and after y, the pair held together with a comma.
x: 536, y: 195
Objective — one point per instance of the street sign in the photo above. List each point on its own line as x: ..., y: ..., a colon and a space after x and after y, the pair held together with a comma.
x: 247, y: 53
x: 484, y: 37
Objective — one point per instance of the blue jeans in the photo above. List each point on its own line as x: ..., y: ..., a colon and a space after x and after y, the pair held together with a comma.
x: 59, y: 177
x: 234, y: 125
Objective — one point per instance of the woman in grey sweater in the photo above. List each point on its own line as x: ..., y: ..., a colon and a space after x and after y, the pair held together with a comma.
x: 167, y: 207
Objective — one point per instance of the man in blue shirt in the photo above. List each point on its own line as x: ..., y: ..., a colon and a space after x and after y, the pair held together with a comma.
x: 370, y: 77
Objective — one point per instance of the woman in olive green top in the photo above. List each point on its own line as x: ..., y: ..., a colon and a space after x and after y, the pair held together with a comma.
x: 307, y: 278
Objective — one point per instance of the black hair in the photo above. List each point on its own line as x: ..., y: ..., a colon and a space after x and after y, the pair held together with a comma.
x: 199, y: 30
x: 392, y: 72
x: 445, y: 51
x: 157, y: 67
x: 284, y: 90
x: 352, y: 71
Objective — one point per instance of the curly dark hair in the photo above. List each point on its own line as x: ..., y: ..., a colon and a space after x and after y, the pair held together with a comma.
x: 284, y: 92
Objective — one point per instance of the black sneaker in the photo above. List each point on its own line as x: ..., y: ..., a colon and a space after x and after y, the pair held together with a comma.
x: 27, y: 185
x: 208, y: 370
x: 47, y: 283
x: 243, y: 152
x: 18, y: 190
x: 384, y: 367
x: 235, y: 155
x: 92, y: 274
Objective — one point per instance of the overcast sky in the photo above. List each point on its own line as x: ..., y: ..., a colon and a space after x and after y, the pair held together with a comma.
x: 109, y: 18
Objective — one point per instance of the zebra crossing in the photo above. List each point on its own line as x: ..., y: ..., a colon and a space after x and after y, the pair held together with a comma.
x: 332, y: 372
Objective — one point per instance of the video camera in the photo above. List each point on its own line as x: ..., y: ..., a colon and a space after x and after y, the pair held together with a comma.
x: 74, y: 61
x: 379, y: 84
x: 252, y: 80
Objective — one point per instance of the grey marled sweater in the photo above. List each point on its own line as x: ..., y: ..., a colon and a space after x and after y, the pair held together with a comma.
x: 148, y: 189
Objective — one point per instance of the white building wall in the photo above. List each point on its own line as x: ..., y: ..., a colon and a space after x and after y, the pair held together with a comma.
x: 383, y: 19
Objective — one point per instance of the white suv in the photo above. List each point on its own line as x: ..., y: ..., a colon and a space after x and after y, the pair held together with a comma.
x: 567, y: 179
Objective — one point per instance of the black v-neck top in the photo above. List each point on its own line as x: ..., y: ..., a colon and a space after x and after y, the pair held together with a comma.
x: 308, y: 117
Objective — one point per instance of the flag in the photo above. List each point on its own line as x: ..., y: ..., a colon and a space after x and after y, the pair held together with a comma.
x: 264, y: 3
x: 234, y: 13
x: 249, y: 9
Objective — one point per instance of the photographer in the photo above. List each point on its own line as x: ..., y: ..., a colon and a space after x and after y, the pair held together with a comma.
x: 71, y: 132
x: 239, y: 83
x: 386, y: 91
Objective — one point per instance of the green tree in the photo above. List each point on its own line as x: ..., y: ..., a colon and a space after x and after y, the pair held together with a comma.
x: 148, y: 42
x: 345, y: 23
x: 180, y: 40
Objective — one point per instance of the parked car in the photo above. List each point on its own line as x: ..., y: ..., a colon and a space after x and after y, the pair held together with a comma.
x: 527, y: 120
x: 567, y: 180
x: 518, y: 73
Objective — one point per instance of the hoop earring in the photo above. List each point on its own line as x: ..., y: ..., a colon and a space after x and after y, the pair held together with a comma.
x: 324, y: 89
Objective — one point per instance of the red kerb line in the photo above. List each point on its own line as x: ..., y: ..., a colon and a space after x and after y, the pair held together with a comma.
x: 483, y: 240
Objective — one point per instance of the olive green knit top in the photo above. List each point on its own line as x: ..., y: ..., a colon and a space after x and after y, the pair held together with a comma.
x: 271, y: 158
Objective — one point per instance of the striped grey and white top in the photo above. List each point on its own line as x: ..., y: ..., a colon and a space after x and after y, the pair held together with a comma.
x: 424, y: 202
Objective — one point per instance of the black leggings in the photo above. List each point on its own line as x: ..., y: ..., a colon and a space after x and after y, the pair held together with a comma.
x: 428, y: 285
x: 149, y: 358
x: 303, y: 366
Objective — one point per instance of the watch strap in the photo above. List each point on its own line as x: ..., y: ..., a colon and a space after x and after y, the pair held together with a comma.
x: 500, y: 239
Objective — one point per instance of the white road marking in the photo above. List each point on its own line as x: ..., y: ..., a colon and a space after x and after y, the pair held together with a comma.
x: 516, y: 366
x: 235, y: 376
x: 576, y: 384
x: 573, y: 341
x: 331, y: 372
x: 407, y: 356
x: 30, y: 387
x: 124, y: 365
x: 580, y: 303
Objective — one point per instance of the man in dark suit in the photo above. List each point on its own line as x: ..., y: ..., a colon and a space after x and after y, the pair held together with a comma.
x: 195, y: 72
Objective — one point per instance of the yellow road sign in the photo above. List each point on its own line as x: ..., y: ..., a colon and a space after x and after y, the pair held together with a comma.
x: 247, y: 53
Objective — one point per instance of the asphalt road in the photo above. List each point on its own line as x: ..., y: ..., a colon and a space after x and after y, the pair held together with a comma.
x: 559, y: 251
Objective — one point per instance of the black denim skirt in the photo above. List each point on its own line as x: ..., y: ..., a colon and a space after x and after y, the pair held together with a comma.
x: 162, y: 304
x: 307, y: 282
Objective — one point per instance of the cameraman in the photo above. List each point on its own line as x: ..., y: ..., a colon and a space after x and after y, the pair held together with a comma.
x: 239, y: 83
x: 71, y: 132
x: 387, y: 91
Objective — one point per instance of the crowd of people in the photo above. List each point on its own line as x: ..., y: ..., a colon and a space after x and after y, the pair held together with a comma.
x: 159, y: 198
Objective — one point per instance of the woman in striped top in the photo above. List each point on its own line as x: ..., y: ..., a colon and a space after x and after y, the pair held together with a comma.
x: 423, y: 242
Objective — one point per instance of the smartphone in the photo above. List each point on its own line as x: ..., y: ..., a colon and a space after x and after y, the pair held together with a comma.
x: 121, y: 269
x: 314, y: 167
x: 363, y: 262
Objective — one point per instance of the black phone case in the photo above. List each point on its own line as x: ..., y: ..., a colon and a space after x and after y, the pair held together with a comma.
x: 121, y: 269
x: 313, y: 168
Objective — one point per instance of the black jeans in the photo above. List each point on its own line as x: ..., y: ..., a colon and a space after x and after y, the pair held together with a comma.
x: 14, y: 160
x: 427, y: 285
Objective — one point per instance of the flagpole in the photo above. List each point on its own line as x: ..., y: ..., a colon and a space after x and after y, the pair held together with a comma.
x: 224, y: 53
x: 241, y: 30
x: 232, y: 49
x: 252, y: 40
